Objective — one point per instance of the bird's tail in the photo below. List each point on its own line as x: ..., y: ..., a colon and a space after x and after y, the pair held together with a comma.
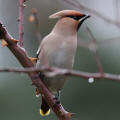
x: 45, y: 109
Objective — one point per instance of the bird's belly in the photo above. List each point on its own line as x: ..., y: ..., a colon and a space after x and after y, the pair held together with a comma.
x: 61, y: 59
x: 55, y: 84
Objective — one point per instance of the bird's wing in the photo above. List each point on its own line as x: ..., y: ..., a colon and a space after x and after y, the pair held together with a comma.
x: 38, y: 51
x: 41, y: 75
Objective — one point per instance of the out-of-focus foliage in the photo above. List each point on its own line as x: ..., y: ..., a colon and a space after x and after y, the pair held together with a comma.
x: 97, y: 101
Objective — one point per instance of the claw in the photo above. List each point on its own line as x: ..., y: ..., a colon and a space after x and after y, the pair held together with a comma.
x: 34, y: 60
x: 4, y: 43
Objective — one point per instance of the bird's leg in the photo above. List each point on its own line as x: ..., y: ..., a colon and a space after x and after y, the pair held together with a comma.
x: 57, y: 97
x: 42, y: 76
x: 58, y: 94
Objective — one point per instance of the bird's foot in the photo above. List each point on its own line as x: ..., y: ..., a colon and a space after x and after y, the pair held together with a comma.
x: 57, y: 101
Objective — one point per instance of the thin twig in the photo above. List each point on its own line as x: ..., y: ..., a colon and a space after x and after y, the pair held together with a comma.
x: 99, y: 64
x: 53, y: 71
x: 21, y: 33
x: 109, y: 41
x: 99, y: 44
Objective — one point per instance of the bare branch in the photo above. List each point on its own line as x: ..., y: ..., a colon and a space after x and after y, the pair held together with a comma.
x: 95, y: 52
x: 23, y: 58
x: 53, y: 71
x: 108, y: 41
x: 21, y: 33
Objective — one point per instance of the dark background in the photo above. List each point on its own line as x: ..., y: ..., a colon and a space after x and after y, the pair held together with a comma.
x: 97, y: 101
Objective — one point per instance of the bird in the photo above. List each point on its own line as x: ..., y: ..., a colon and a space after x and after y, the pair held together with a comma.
x: 58, y: 49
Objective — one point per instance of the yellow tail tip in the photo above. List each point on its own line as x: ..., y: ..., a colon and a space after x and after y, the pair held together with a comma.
x: 44, y: 114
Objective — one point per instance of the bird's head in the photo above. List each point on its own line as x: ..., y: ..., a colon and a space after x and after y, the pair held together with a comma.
x: 69, y: 18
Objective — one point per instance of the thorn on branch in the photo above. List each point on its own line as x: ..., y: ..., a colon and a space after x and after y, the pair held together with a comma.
x: 34, y: 60
x: 99, y: 64
x: 71, y: 114
x: 4, y: 43
x: 15, y: 41
x: 21, y: 28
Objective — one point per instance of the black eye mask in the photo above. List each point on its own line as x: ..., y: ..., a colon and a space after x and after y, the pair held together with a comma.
x: 81, y: 18
x: 76, y: 17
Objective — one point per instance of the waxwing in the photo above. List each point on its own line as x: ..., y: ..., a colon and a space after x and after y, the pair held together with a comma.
x: 58, y: 49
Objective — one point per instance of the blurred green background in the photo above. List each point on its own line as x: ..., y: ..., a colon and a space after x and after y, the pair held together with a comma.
x: 97, y: 101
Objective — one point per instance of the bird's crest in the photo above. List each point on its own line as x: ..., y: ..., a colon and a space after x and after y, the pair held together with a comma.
x: 65, y: 13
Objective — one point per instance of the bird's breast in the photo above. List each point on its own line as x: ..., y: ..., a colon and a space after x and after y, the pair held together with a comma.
x: 63, y: 55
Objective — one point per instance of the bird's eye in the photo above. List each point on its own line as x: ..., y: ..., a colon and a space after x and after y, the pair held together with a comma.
x: 76, y: 17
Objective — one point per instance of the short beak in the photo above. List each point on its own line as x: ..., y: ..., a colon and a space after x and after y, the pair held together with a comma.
x: 82, y: 20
